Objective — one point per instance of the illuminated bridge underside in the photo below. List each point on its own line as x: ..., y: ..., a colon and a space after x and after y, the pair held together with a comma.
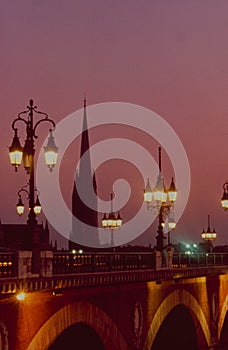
x: 178, y: 297
x: 76, y: 313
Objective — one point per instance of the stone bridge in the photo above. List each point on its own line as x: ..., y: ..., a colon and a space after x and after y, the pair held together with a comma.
x: 176, y: 309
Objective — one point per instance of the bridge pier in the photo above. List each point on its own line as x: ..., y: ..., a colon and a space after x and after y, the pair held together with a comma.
x: 164, y: 260
x: 158, y: 260
x: 169, y: 259
x: 46, y: 263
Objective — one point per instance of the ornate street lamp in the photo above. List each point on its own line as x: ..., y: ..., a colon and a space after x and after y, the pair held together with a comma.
x: 17, y: 154
x: 20, y: 205
x: 209, y: 236
x: 112, y: 220
x: 224, y: 199
x: 162, y: 200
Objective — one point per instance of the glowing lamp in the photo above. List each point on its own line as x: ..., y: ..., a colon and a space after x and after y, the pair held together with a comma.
x: 20, y: 207
x: 104, y: 221
x: 37, y: 207
x: 51, y: 152
x: 111, y: 220
x: 119, y: 220
x: 172, y: 191
x: 224, y: 199
x: 158, y: 191
x: 28, y: 153
x: 164, y: 194
x: 148, y: 194
x: 172, y: 225
x: 15, y: 152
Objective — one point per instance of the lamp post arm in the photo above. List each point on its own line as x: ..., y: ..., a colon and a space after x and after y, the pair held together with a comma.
x: 31, y: 130
x: 40, y: 121
x: 19, y: 119
x: 23, y: 189
x: 39, y: 112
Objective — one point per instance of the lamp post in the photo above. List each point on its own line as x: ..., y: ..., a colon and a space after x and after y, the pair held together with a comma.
x: 112, y: 221
x: 209, y: 236
x: 17, y: 154
x: 162, y: 200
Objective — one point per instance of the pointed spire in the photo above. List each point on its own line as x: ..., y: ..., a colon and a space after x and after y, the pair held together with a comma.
x: 85, y: 134
x: 85, y: 100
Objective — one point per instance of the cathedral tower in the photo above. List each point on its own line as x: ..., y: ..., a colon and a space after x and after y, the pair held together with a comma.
x: 84, y: 175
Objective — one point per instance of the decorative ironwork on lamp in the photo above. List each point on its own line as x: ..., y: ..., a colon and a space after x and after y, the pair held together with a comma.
x: 161, y: 199
x: 17, y: 154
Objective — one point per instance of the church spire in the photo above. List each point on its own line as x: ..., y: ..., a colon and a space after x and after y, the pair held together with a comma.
x: 84, y: 174
x: 85, y: 100
x: 85, y: 134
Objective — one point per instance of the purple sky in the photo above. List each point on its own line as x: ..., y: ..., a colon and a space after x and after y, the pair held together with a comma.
x: 168, y: 56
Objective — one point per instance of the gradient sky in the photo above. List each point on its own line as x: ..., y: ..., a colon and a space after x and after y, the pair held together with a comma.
x: 168, y: 56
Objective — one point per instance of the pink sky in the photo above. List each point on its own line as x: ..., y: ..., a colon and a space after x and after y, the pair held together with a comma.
x: 168, y: 56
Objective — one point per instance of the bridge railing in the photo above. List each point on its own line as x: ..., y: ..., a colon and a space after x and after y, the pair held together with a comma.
x: 181, y: 260
x: 18, y: 264
x: 69, y: 263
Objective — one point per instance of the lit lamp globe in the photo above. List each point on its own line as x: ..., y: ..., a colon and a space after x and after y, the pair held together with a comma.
x: 15, y: 152
x: 209, y: 236
x: 224, y: 199
x: 51, y: 152
x: 37, y: 207
x: 148, y: 194
x: 172, y: 225
x: 20, y: 207
x: 164, y: 194
x: 104, y: 221
x: 111, y: 220
x: 119, y: 220
x: 28, y: 154
x: 172, y: 191
x: 159, y: 194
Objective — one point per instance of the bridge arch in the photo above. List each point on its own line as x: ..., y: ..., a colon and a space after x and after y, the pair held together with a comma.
x: 222, y: 316
x: 79, y: 312
x: 177, y: 297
